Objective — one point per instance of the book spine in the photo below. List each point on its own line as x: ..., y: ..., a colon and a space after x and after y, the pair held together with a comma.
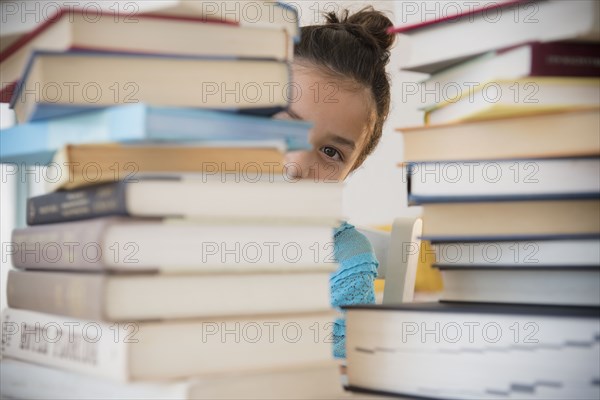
x: 74, y: 345
x: 52, y: 383
x: 73, y: 295
x: 97, y: 201
x: 70, y: 245
x: 7, y: 91
x: 565, y: 59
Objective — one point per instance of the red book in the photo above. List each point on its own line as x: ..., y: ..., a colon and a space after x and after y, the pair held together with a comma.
x: 469, y: 13
x: 438, y: 44
x: 145, y: 34
x: 557, y: 59
x: 565, y: 59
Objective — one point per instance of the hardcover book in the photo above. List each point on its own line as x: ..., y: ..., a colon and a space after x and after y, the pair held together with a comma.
x: 256, y: 86
x: 134, y: 245
x: 312, y: 381
x: 143, y: 297
x: 110, y: 30
x: 210, y: 197
x: 36, y: 142
x: 139, y: 351
x: 474, y: 351
x: 497, y: 25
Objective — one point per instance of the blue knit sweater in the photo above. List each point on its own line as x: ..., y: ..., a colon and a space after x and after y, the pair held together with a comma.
x: 352, y: 283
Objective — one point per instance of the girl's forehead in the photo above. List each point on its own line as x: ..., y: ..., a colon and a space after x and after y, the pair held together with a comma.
x: 331, y: 103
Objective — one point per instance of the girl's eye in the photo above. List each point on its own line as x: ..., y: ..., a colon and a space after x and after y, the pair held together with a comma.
x: 331, y: 153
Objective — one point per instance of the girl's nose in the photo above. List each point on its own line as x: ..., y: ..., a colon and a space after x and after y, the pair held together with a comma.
x: 299, y: 165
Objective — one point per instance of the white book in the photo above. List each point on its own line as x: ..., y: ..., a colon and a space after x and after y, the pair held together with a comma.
x: 509, y: 98
x: 526, y: 253
x: 236, y: 195
x: 475, y: 351
x: 127, y: 297
x: 435, y: 45
x: 568, y: 286
x: 560, y: 178
x: 122, y: 244
x: 21, y: 380
x: 140, y: 351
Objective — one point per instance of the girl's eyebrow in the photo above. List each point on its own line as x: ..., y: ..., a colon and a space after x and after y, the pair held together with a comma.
x: 342, y: 141
x: 332, y: 136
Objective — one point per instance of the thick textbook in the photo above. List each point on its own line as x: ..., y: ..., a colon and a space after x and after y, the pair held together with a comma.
x: 566, y: 59
x: 544, y: 285
x: 474, y: 351
x: 270, y: 13
x: 507, y: 219
x: 519, y: 253
x: 36, y: 142
x: 91, y: 29
x: 128, y: 244
x: 22, y: 380
x: 138, y: 351
x: 76, y: 166
x: 544, y: 135
x: 56, y: 83
x: 508, y: 98
x: 487, y: 180
x: 129, y: 297
x: 208, y: 196
x: 494, y: 26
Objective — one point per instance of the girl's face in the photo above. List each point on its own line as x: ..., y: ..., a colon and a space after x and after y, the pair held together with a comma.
x: 340, y: 117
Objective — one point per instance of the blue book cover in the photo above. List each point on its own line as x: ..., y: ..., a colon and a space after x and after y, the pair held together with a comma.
x: 36, y: 142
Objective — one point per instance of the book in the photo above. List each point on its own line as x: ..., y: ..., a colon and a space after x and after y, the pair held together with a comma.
x: 488, y: 180
x: 473, y: 351
x: 546, y: 135
x: 497, y: 25
x: 7, y: 40
x: 36, y: 142
x: 507, y: 219
x: 245, y: 195
x: 93, y: 29
x: 76, y: 166
x: 506, y: 98
x: 544, y: 285
x: 104, y: 79
x: 124, y: 244
x: 142, y: 297
x: 557, y: 59
x: 269, y: 13
x: 139, y: 351
x: 21, y: 380
x: 524, y: 253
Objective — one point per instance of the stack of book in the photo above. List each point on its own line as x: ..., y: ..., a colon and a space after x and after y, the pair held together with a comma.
x: 509, y: 184
x: 172, y: 255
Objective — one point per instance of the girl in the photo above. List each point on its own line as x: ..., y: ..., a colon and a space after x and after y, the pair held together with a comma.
x: 344, y: 91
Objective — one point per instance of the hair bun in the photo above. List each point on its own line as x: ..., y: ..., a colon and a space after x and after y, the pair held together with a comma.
x: 374, y: 23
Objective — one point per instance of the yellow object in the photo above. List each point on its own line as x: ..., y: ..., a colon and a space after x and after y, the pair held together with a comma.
x: 379, y: 285
x: 495, y: 111
x: 428, y: 279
